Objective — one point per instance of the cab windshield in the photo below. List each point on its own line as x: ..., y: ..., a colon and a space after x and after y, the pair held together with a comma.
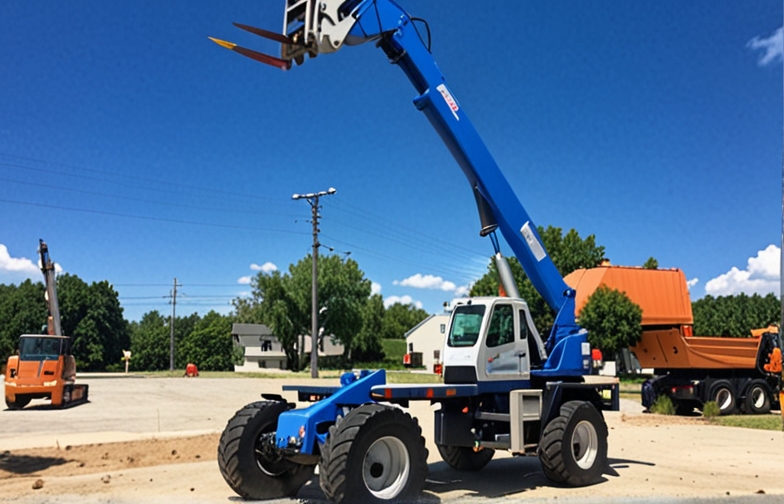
x: 41, y: 348
x: 466, y: 323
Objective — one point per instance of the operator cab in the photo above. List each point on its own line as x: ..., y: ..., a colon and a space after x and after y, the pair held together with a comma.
x: 490, y: 339
x: 42, y: 347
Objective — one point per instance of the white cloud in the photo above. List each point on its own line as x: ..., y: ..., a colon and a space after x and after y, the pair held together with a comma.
x: 17, y: 265
x: 375, y: 288
x: 691, y: 283
x: 406, y: 300
x: 772, y: 47
x: 420, y: 281
x: 267, y: 267
x: 245, y: 280
x: 761, y: 276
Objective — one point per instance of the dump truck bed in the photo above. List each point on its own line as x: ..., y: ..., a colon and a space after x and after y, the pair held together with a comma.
x: 669, y: 349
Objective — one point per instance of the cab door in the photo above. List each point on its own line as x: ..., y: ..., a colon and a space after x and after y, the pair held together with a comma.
x: 504, y: 352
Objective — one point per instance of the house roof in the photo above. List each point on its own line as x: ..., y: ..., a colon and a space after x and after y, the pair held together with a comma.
x: 414, y: 329
x: 250, y: 330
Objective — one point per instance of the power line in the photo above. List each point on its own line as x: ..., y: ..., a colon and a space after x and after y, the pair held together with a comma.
x: 157, y: 219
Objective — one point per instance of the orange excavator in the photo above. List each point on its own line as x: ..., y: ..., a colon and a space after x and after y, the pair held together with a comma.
x: 44, y: 366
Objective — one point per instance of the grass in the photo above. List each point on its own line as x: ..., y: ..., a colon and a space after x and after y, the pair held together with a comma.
x: 764, y: 422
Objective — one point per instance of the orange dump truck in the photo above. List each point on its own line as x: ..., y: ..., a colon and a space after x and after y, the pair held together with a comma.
x: 742, y: 373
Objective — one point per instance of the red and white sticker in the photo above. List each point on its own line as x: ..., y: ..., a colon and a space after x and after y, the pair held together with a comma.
x: 449, y: 99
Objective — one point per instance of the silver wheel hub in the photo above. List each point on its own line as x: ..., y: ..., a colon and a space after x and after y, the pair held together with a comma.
x: 585, y: 444
x: 386, y: 467
x: 758, y: 397
x: 723, y: 399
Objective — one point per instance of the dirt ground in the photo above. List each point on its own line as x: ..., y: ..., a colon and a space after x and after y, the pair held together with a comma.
x: 99, y: 452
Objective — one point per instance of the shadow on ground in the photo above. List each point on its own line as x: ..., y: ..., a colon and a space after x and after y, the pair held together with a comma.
x: 27, y: 464
x: 502, y: 477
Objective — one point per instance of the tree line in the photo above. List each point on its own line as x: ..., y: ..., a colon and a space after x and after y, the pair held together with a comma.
x: 93, y: 316
x: 349, y: 313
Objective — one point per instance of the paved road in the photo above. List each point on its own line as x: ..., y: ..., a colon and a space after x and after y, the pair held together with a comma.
x: 650, y: 462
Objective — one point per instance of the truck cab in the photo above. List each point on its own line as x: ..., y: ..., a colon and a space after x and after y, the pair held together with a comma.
x: 490, y: 339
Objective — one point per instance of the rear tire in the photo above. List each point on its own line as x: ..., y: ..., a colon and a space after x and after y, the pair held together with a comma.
x: 573, y: 448
x: 757, y: 400
x: 247, y: 457
x: 463, y: 458
x: 20, y: 402
x: 375, y: 454
x: 724, y: 394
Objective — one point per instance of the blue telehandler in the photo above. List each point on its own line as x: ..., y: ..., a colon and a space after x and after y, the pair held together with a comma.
x: 504, y: 388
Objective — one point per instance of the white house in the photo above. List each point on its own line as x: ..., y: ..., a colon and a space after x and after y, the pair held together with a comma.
x: 427, y: 338
x: 263, y: 350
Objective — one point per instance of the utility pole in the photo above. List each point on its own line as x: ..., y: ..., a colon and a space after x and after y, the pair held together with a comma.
x: 171, y: 325
x: 313, y: 200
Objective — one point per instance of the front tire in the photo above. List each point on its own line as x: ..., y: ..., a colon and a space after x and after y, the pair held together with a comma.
x: 463, y: 458
x: 248, y: 459
x: 20, y: 402
x: 375, y: 454
x: 573, y: 448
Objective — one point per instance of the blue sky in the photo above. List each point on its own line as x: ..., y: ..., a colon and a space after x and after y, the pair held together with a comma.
x: 142, y: 152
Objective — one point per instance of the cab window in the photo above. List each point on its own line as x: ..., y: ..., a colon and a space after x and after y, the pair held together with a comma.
x: 36, y: 349
x: 466, y: 323
x: 501, y: 328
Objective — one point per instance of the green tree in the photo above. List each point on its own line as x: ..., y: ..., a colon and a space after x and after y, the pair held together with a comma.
x: 734, y: 316
x: 22, y: 311
x: 651, y: 263
x: 183, y: 326
x: 93, y: 317
x: 612, y: 319
x: 568, y: 252
x: 399, y: 319
x: 283, y: 302
x: 367, y: 347
x: 150, y: 343
x: 209, y: 345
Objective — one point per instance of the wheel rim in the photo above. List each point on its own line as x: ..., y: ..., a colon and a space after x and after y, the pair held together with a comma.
x: 585, y: 444
x: 723, y: 398
x: 758, y: 397
x: 386, y: 467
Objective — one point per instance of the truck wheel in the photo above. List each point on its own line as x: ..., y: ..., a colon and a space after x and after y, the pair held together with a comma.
x: 757, y: 399
x: 20, y: 402
x: 463, y: 458
x: 375, y: 454
x: 573, y: 448
x: 248, y: 459
x: 724, y: 394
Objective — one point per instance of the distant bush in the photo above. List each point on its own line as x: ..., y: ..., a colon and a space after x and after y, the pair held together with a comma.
x: 711, y: 409
x: 663, y: 406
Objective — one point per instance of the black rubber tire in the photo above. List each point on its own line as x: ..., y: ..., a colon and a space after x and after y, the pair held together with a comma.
x: 20, y: 402
x: 757, y: 401
x: 247, y: 470
x: 463, y: 458
x: 350, y: 467
x: 579, y: 426
x: 724, y: 394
